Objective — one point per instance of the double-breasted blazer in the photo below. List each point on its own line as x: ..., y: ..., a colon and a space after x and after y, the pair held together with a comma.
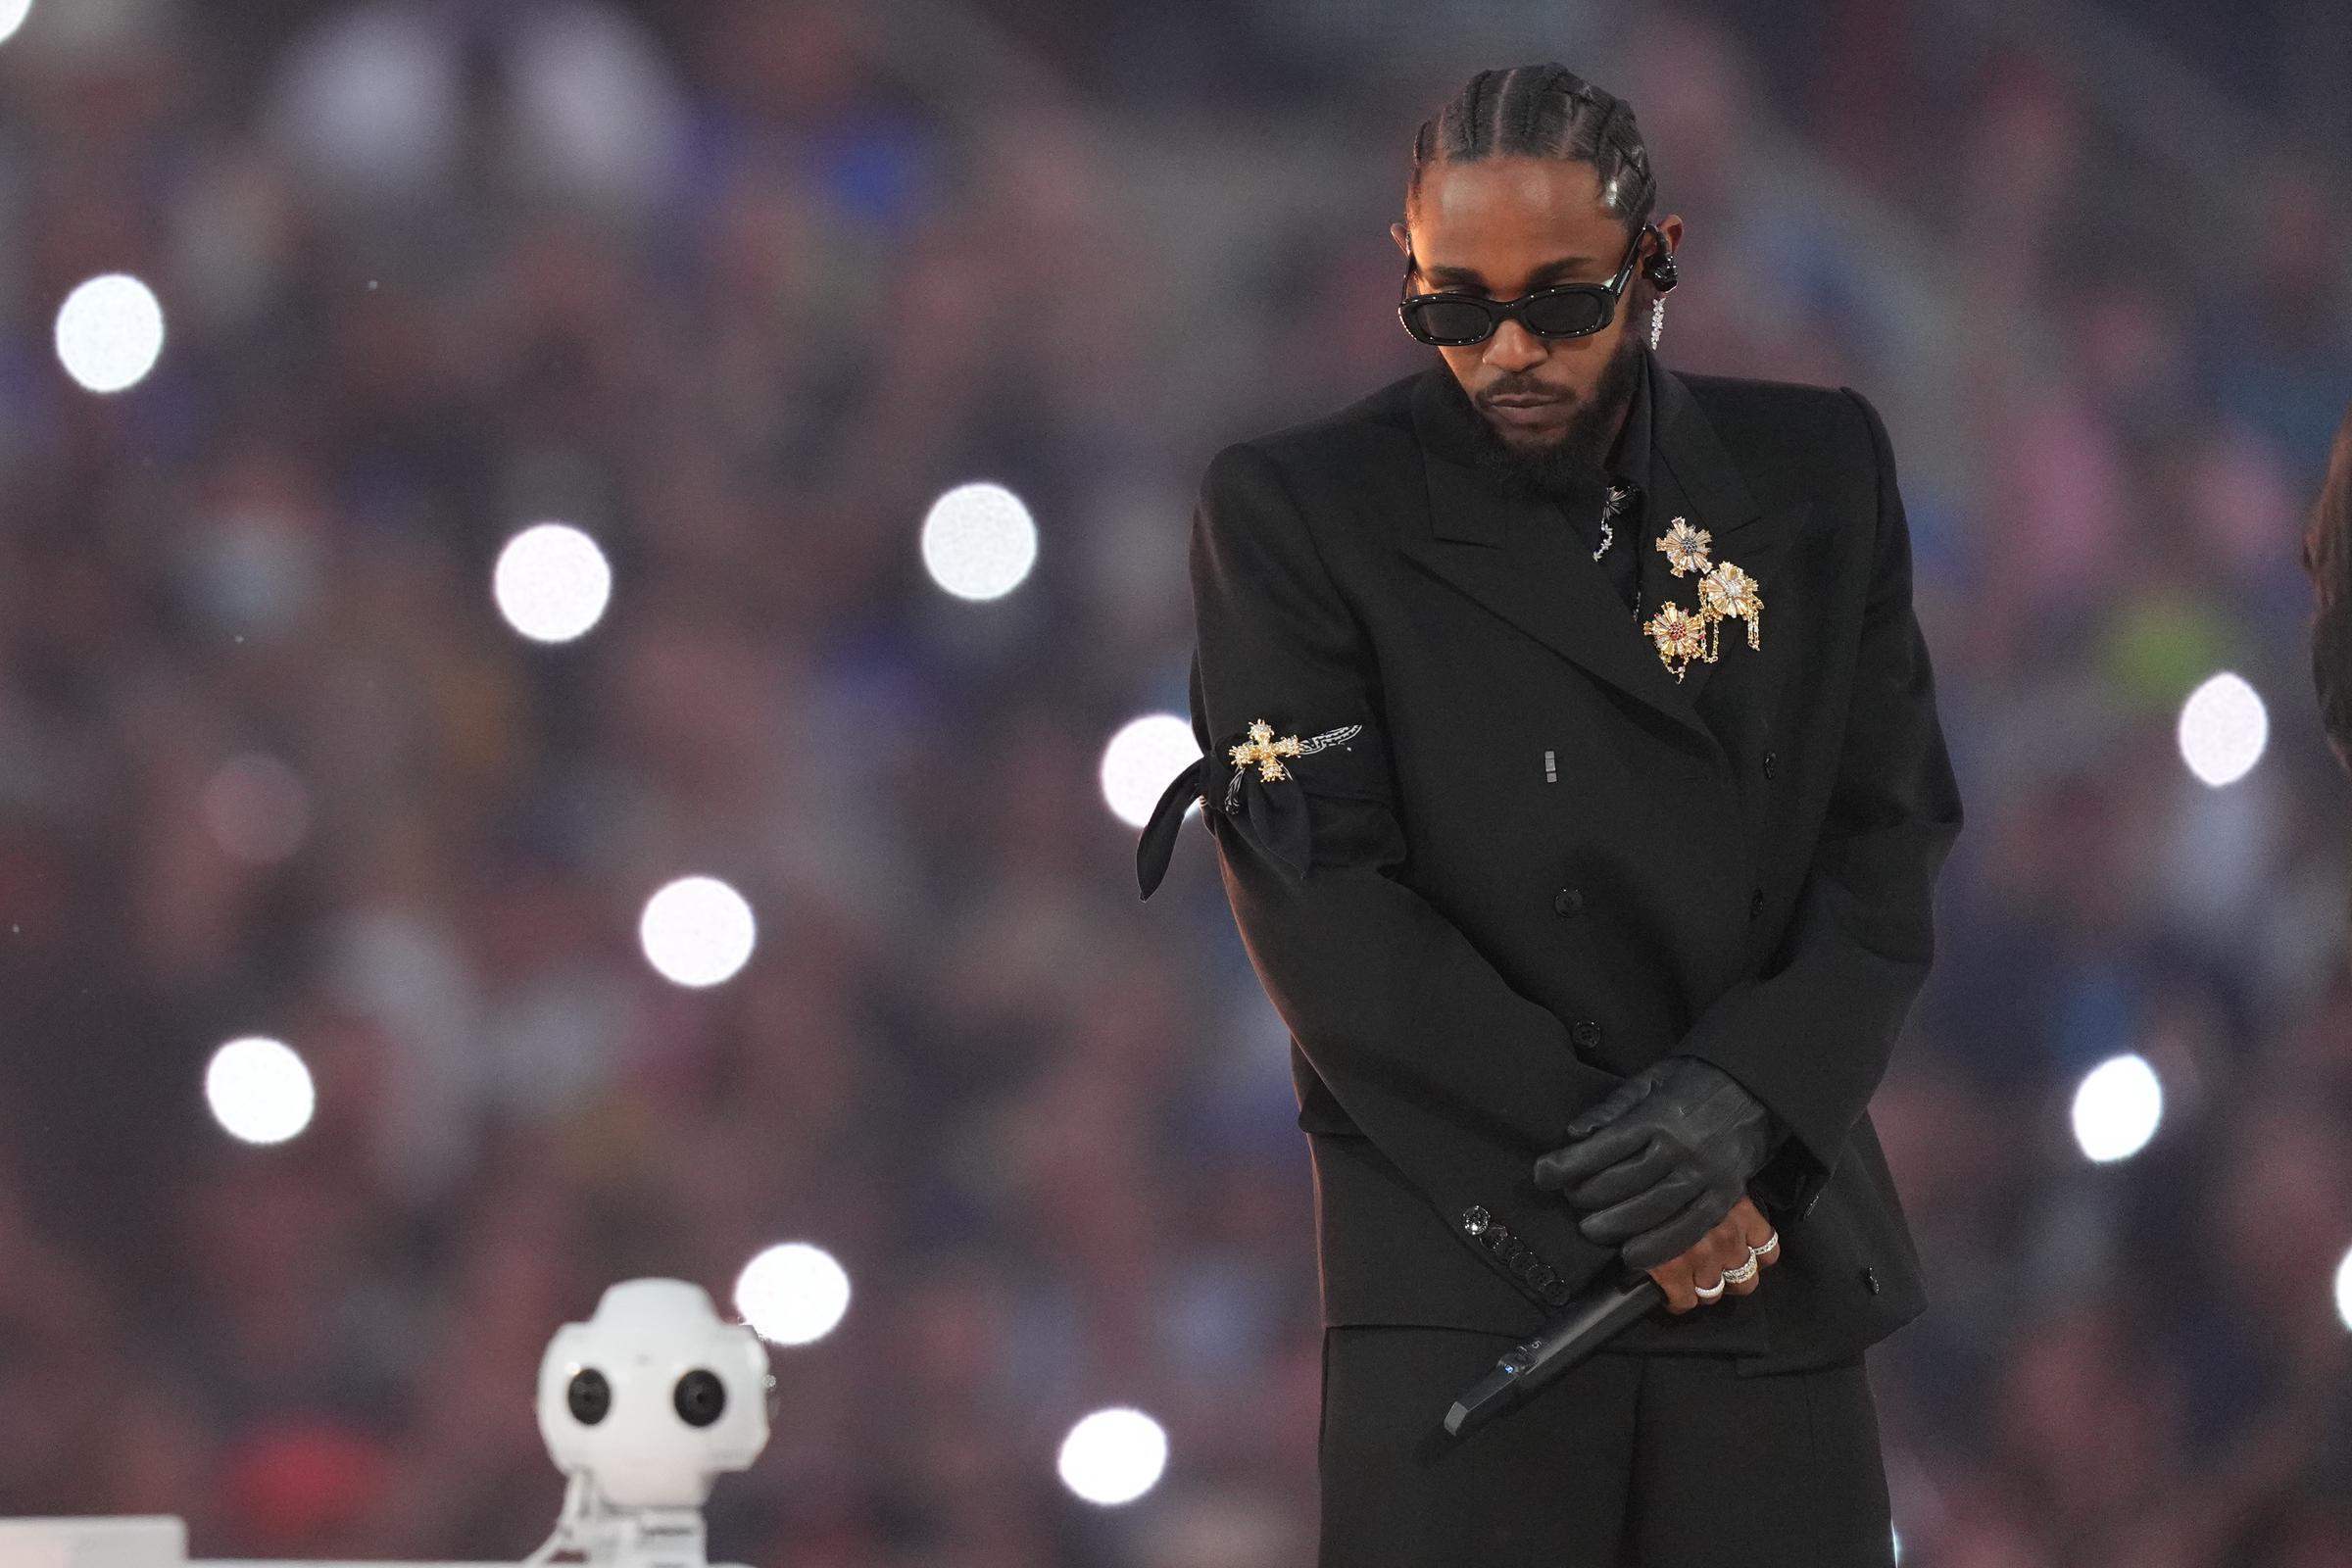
x: 1513, y: 858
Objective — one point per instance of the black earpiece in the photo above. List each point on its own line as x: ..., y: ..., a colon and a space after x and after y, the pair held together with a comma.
x: 1658, y: 267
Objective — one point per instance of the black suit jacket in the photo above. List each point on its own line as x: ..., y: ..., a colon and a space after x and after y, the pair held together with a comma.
x: 1538, y: 862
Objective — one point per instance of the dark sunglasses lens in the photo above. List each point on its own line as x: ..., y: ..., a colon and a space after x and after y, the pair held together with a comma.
x: 1450, y: 319
x: 1566, y: 315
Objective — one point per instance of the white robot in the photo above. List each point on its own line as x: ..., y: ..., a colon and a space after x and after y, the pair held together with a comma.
x: 643, y: 1406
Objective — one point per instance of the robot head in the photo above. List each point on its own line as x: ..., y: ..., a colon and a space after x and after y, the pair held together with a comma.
x: 653, y: 1396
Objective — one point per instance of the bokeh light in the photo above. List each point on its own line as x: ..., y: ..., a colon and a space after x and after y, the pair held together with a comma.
x: 2343, y: 1289
x: 258, y: 809
x: 11, y: 16
x: 2224, y: 727
x: 110, y: 332
x: 552, y: 582
x: 697, y: 931
x: 259, y: 1089
x: 2118, y: 1108
x: 979, y: 541
x: 793, y: 1293
x: 1140, y: 760
x: 1113, y: 1456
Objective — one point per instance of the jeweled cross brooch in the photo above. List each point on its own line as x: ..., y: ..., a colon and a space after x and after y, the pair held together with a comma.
x: 1265, y: 751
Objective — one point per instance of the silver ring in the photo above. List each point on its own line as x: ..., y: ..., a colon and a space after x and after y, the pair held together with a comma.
x: 1706, y: 1294
x: 1743, y: 1274
x: 1770, y: 1241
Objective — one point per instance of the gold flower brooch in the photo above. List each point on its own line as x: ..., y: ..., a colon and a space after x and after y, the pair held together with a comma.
x: 1724, y: 592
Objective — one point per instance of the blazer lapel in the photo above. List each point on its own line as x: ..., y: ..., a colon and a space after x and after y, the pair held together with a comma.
x: 1519, y: 557
x: 1696, y: 479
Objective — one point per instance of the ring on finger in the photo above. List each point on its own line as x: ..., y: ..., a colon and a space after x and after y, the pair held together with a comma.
x: 1766, y: 1246
x: 1743, y: 1274
x: 1708, y: 1293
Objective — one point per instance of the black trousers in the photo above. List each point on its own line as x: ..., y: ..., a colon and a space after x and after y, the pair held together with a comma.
x: 1625, y: 1461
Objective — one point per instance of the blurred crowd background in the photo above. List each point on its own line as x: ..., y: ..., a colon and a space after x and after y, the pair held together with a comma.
x: 739, y: 287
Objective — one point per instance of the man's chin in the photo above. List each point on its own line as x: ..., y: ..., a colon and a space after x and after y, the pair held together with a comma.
x: 1530, y: 443
x: 1556, y: 461
x: 1541, y: 461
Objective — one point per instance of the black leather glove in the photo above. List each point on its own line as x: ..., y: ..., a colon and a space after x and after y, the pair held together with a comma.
x: 1662, y: 1160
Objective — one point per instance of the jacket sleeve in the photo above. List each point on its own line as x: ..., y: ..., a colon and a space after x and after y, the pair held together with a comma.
x: 2329, y: 648
x: 1811, y: 1037
x: 1457, y: 1079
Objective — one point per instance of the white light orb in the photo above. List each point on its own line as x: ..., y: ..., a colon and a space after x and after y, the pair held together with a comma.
x: 1140, y: 760
x: 979, y: 541
x: 2343, y: 1289
x: 697, y: 931
x: 1113, y: 1456
x: 552, y: 582
x: 2223, y: 730
x: 110, y: 332
x: 11, y: 16
x: 793, y: 1293
x: 259, y: 1089
x: 2118, y: 1108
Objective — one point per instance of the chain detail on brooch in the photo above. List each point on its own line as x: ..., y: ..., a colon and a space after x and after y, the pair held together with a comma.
x: 1619, y: 494
x: 1724, y: 592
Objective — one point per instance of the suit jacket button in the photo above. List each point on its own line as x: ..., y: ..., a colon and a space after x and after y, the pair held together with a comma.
x: 1755, y: 904
x: 1586, y: 1033
x: 1767, y: 764
x: 1568, y: 900
x: 1556, y: 1292
x: 1870, y: 1277
x: 1475, y: 1219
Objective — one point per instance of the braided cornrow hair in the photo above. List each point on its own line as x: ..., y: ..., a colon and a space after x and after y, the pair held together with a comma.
x: 1542, y: 110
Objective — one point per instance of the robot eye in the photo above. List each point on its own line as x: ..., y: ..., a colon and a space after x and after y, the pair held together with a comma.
x: 589, y: 1395
x: 700, y: 1399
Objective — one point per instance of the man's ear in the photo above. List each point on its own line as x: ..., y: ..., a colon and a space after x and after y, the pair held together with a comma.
x: 1403, y: 237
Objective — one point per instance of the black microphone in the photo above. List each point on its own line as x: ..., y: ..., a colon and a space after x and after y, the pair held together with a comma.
x: 1583, y: 1327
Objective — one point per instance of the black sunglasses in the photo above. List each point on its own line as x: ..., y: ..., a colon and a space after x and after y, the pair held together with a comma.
x: 1568, y: 310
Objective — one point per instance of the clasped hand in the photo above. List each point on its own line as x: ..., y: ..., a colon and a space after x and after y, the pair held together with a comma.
x: 1660, y: 1162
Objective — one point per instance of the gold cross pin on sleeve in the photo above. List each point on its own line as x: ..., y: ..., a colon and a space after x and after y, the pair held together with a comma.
x: 1265, y: 751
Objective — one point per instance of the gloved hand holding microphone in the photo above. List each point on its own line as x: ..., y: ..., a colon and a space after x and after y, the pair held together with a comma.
x: 1660, y: 1167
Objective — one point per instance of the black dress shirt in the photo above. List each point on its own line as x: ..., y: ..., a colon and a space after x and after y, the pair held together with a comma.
x: 1628, y: 468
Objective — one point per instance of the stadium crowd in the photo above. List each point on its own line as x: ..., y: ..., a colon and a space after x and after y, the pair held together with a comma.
x: 738, y: 287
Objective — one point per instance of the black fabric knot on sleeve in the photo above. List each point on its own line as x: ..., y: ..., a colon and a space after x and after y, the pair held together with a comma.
x: 1264, y: 794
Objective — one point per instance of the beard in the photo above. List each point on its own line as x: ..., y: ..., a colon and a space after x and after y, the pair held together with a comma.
x: 1570, y: 461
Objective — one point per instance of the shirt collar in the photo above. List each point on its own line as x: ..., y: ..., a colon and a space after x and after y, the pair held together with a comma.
x: 1629, y: 458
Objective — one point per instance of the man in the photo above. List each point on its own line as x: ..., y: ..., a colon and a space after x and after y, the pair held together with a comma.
x: 2327, y: 560
x: 1593, y: 897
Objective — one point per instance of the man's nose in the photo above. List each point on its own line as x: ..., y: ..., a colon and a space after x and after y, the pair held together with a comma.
x: 1514, y: 348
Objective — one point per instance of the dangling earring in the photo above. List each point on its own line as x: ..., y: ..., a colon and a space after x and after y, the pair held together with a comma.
x: 1657, y: 319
